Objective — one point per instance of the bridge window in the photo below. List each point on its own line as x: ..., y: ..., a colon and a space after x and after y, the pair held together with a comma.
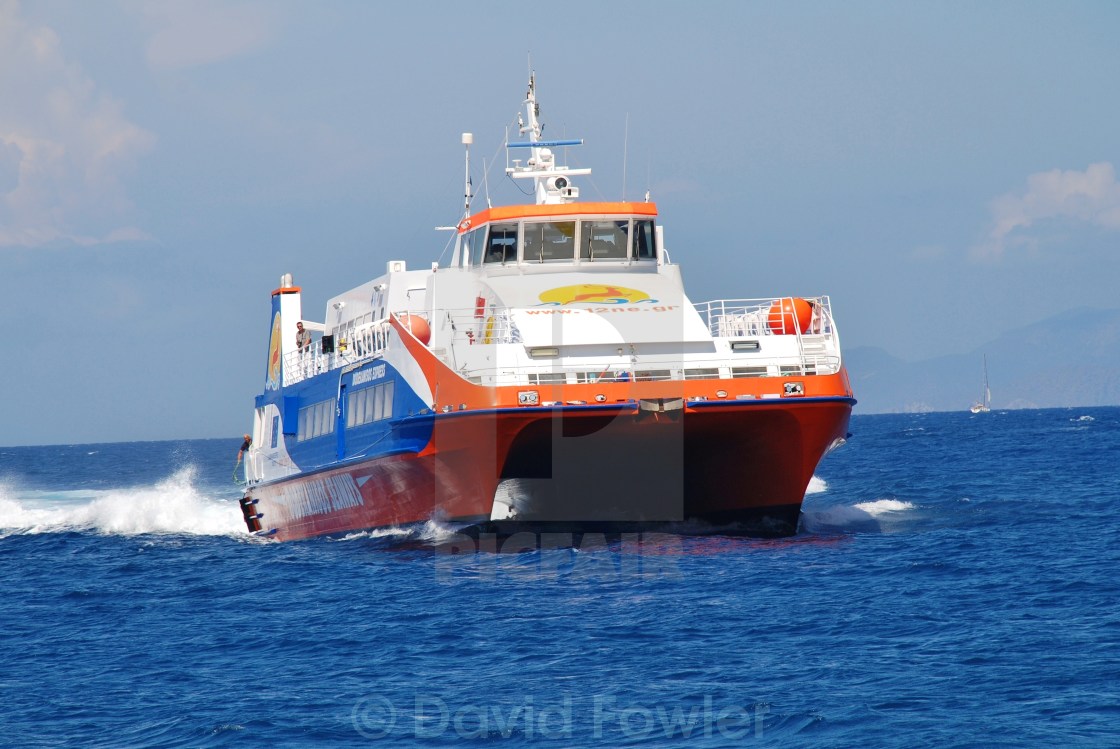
x: 502, y: 244
x: 602, y: 240
x: 475, y: 243
x: 643, y: 241
x: 550, y: 241
x: 465, y: 241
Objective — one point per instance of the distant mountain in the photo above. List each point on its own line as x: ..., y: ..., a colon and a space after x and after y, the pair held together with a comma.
x: 1071, y: 359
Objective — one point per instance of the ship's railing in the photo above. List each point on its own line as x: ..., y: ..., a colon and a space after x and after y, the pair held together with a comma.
x: 724, y: 318
x: 365, y: 342
x: 818, y: 351
x: 656, y: 369
x: 469, y: 327
x: 751, y: 318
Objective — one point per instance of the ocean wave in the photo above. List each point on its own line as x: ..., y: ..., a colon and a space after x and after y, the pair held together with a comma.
x: 431, y: 532
x: 859, y: 516
x: 816, y: 486
x: 174, y: 506
x: 883, y: 506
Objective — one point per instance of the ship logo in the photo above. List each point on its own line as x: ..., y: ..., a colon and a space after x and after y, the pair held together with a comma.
x: 593, y: 293
x: 273, y: 380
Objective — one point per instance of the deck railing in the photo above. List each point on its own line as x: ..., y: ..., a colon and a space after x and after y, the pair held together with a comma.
x: 751, y: 318
x: 366, y: 342
x: 817, y: 348
x: 470, y: 327
x: 649, y: 369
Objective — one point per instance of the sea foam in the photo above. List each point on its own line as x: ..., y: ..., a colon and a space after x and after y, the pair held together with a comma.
x: 816, y: 486
x: 172, y: 506
x: 862, y: 515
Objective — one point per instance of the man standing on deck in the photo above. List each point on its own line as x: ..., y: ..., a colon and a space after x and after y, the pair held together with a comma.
x: 303, y: 338
x: 303, y: 344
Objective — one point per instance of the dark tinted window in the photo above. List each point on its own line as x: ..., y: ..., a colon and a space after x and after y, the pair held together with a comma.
x: 643, y: 241
x: 602, y: 240
x: 501, y: 246
x: 550, y: 241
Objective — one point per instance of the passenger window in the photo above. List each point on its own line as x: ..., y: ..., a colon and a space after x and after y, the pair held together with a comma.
x: 643, y: 241
x: 502, y: 244
x: 602, y: 240
x: 550, y: 241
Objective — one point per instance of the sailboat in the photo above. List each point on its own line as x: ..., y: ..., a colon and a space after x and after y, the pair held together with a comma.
x: 984, y: 405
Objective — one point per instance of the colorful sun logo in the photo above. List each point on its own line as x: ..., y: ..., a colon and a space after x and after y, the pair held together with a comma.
x: 593, y: 293
x: 273, y: 380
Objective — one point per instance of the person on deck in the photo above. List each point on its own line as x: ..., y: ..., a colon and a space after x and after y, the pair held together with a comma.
x: 303, y: 338
x: 303, y: 345
x: 244, y: 446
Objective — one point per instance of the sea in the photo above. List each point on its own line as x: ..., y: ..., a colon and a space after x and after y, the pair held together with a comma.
x: 955, y: 583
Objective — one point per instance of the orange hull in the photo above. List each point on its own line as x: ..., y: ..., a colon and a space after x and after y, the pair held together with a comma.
x: 745, y: 463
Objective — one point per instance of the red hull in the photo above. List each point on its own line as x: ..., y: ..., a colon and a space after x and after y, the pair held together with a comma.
x: 722, y: 462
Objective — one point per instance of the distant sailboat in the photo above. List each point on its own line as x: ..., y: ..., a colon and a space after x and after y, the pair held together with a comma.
x: 984, y: 405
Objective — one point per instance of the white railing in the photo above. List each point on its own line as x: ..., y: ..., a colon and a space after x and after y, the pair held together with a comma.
x: 751, y: 318
x: 470, y: 327
x: 366, y: 342
x: 649, y: 369
x: 816, y: 351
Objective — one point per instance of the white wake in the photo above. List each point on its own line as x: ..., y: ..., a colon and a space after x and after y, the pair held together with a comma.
x: 816, y: 486
x: 173, y: 506
x: 878, y: 514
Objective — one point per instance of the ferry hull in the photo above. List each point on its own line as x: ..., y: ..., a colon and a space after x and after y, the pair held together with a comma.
x: 737, y: 467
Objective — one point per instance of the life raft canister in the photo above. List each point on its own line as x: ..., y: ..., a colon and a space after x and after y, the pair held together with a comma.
x: 790, y: 315
x: 418, y: 326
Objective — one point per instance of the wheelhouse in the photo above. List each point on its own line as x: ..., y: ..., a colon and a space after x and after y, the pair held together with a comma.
x: 618, y: 233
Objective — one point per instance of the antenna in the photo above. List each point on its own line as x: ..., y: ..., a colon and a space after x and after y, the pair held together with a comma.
x: 486, y: 182
x: 553, y: 184
x: 625, y: 148
x: 468, y: 139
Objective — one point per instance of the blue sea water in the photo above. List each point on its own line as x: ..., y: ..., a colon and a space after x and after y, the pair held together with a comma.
x: 954, y: 584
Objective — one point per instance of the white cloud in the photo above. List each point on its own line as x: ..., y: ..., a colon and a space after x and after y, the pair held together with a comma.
x: 1090, y: 197
x: 189, y: 33
x: 64, y: 146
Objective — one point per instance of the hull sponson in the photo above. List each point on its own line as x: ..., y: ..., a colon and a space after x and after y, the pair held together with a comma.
x: 380, y: 492
x: 603, y: 467
x: 720, y: 463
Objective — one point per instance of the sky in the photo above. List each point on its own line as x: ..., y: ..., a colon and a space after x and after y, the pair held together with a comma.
x: 946, y: 172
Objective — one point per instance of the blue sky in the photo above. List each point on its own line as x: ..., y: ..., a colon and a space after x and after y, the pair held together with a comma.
x: 945, y: 171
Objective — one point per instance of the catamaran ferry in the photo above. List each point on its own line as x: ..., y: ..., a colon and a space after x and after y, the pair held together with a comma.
x: 554, y: 375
